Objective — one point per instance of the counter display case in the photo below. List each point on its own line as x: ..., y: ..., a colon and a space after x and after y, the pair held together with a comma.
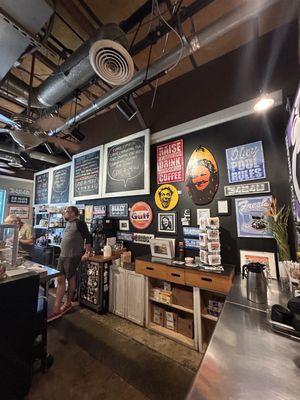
x: 9, y: 243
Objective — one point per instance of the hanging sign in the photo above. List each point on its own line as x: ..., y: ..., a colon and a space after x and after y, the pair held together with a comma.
x: 126, y: 236
x: 246, y: 162
x: 99, y: 211
x: 126, y: 166
x: 191, y: 243
x: 141, y: 215
x: 118, y: 210
x: 19, y: 191
x: 15, y: 199
x: 60, y: 188
x: 202, y: 176
x: 41, y: 187
x: 166, y: 197
x: 250, y: 216
x: 142, y: 238
x: 170, y: 162
x: 19, y: 211
x: 247, y: 188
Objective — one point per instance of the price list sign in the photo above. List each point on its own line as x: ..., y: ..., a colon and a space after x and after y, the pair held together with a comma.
x: 60, y: 185
x: 86, y: 174
x: 41, y: 185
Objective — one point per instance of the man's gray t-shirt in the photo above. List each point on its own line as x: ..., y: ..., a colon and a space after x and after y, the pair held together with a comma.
x: 72, y: 242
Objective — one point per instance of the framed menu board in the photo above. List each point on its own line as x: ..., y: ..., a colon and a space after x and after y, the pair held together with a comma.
x: 41, y: 187
x: 60, y: 184
x: 126, y: 166
x: 87, y: 174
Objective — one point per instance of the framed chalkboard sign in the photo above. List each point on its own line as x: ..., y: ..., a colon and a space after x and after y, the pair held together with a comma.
x: 41, y: 187
x: 60, y: 184
x: 86, y: 181
x: 126, y: 166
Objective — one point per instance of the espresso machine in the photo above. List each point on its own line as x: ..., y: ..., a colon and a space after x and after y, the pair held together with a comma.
x: 101, y: 229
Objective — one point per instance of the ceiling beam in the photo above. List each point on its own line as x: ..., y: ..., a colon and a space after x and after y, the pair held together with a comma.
x: 75, y: 12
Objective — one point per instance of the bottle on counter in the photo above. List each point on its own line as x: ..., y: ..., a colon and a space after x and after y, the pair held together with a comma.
x: 180, y: 251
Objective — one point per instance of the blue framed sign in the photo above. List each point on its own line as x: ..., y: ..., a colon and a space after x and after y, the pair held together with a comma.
x: 191, y: 243
x: 250, y: 214
x: 191, y: 231
x: 246, y: 162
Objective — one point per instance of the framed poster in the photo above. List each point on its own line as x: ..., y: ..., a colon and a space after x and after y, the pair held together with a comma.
x: 167, y: 222
x: 124, y: 225
x: 263, y: 257
x: 86, y: 174
x: 60, y: 184
x: 246, y: 162
x: 99, y: 211
x: 126, y: 166
x: 142, y: 238
x: 170, y: 162
x: 19, y: 211
x: 292, y: 140
x: 41, y: 187
x: 202, y: 213
x: 224, y: 207
x: 250, y: 214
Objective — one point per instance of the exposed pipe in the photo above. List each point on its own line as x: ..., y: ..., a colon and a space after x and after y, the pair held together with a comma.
x: 72, y: 75
x: 56, y: 160
x: 214, y: 31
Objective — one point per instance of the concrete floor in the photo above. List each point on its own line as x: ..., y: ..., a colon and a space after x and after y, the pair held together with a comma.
x: 107, y: 357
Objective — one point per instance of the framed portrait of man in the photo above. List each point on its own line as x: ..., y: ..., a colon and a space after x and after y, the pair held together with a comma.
x: 167, y: 222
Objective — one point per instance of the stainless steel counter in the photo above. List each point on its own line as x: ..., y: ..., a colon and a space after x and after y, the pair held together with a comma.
x: 245, y: 359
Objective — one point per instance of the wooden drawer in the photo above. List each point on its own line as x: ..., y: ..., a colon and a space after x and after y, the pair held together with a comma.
x: 151, y: 269
x: 175, y: 275
x: 208, y: 281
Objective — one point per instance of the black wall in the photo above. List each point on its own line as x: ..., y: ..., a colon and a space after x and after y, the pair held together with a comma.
x: 270, y: 129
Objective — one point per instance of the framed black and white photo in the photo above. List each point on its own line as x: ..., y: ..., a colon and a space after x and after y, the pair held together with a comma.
x: 202, y: 213
x: 161, y: 248
x: 126, y: 166
x: 167, y: 222
x: 124, y: 225
x: 224, y: 207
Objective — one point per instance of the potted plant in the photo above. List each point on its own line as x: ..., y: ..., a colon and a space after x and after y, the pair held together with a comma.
x: 277, y: 222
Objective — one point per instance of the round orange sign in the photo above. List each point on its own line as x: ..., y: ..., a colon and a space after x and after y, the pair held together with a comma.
x: 141, y: 215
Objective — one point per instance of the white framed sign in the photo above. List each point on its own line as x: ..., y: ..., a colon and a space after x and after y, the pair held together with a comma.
x: 60, y: 184
x: 262, y: 257
x: 86, y: 174
x: 41, y: 187
x: 126, y: 169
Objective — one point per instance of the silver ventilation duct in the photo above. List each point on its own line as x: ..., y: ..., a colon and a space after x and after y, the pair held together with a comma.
x: 7, y: 151
x: 72, y: 75
x: 201, y: 39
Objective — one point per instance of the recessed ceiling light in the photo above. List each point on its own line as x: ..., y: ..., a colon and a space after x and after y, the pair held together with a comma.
x: 263, y: 103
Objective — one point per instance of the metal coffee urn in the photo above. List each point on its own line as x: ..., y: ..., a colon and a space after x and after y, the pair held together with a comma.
x: 256, y: 282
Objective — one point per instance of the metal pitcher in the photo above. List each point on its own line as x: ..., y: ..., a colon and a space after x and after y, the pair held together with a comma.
x: 256, y: 282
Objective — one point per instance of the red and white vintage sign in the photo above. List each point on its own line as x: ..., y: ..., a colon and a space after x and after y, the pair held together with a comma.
x: 170, y: 162
x: 141, y: 215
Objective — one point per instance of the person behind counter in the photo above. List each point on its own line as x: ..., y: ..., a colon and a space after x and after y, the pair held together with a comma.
x: 26, y: 237
x: 76, y: 236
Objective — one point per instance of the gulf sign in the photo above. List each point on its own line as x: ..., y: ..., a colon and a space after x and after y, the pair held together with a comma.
x: 141, y: 215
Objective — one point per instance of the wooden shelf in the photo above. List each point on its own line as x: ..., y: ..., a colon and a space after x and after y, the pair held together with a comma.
x: 178, y: 337
x: 181, y: 308
x: 210, y: 317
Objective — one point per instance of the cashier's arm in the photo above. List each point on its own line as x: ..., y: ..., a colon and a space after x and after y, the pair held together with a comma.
x: 27, y: 241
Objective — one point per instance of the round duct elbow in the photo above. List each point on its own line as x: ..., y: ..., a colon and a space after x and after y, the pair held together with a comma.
x: 111, y: 62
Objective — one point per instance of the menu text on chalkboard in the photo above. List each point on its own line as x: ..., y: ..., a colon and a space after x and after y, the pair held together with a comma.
x: 86, y: 174
x: 41, y: 188
x: 125, y: 166
x: 60, y: 185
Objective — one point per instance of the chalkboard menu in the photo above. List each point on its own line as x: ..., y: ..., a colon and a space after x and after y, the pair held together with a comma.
x: 41, y: 185
x: 126, y: 166
x: 60, y: 188
x: 86, y: 174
